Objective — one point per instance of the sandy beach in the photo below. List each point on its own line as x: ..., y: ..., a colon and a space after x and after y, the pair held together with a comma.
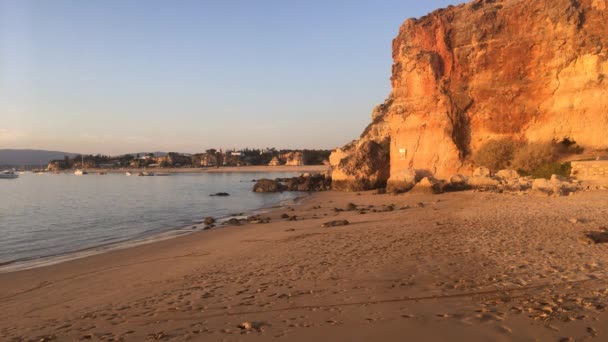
x: 409, y: 267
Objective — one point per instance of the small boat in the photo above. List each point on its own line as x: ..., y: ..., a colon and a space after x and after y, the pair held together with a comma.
x: 146, y: 174
x: 80, y: 172
x: 128, y: 173
x: 7, y: 174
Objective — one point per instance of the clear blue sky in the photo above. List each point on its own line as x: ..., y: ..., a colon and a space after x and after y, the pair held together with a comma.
x: 122, y: 76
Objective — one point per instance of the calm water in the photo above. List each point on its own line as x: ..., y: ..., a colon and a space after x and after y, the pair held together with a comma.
x: 45, y: 215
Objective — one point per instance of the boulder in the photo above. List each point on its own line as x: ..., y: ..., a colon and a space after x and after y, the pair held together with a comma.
x: 507, y: 174
x: 365, y: 167
x: 458, y: 179
x: 546, y: 187
x: 457, y: 183
x: 428, y: 185
x: 518, y: 184
x: 541, y: 184
x: 268, y: 185
x: 483, y: 182
x: 402, y: 181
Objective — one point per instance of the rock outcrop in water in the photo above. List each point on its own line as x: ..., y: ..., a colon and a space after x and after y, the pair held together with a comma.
x: 530, y: 70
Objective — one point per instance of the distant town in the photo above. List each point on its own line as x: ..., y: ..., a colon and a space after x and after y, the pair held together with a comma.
x: 207, y: 159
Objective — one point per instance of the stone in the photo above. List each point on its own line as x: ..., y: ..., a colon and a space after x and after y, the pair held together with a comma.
x: 402, y: 181
x: 482, y: 172
x: 591, y: 238
x: 246, y: 326
x: 220, y: 194
x: 209, y: 221
x: 267, y: 185
x: 458, y: 179
x: 541, y: 184
x: 428, y: 185
x: 457, y: 183
x: 335, y: 223
x: 482, y: 182
x: 507, y: 175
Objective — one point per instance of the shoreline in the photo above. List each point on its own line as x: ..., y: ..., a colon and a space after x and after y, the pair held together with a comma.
x: 138, y: 240
x: 437, y: 266
x: 225, y: 169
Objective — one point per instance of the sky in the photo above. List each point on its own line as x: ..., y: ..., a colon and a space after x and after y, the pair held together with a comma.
x: 114, y: 76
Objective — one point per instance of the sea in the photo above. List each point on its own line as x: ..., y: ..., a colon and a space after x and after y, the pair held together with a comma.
x: 47, y: 218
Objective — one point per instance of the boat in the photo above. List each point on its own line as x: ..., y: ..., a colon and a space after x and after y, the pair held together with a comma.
x: 163, y: 174
x: 80, y: 172
x: 145, y: 174
x: 7, y: 174
x: 128, y: 173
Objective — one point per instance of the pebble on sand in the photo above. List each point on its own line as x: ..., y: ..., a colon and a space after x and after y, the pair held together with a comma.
x: 335, y: 223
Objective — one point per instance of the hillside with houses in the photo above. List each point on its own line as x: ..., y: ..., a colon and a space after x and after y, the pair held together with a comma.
x: 211, y: 158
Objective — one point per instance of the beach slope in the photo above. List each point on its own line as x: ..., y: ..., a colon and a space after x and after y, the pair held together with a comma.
x: 467, y: 266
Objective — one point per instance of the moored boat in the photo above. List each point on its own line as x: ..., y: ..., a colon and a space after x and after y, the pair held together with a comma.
x: 7, y: 174
x: 80, y: 172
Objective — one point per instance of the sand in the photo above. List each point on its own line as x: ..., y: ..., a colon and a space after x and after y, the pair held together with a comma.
x: 462, y: 266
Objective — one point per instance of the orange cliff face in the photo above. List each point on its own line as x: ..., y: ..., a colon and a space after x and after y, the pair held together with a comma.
x: 530, y: 70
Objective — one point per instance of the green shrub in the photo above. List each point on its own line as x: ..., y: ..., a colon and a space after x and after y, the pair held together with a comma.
x: 496, y: 154
x: 531, y: 157
x: 552, y: 168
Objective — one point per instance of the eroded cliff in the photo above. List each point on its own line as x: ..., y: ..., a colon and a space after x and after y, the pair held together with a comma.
x: 533, y: 70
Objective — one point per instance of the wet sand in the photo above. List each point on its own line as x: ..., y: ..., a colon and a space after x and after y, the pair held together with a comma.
x: 460, y: 266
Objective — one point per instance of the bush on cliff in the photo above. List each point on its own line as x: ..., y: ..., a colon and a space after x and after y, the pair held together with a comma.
x: 496, y: 154
x: 552, y: 168
x: 531, y: 157
x: 539, y: 160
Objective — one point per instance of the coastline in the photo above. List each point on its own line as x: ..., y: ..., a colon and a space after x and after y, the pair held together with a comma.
x: 226, y: 169
x: 138, y: 240
x: 459, y: 262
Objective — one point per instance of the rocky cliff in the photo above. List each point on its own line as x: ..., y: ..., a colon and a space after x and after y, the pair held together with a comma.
x: 533, y: 70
